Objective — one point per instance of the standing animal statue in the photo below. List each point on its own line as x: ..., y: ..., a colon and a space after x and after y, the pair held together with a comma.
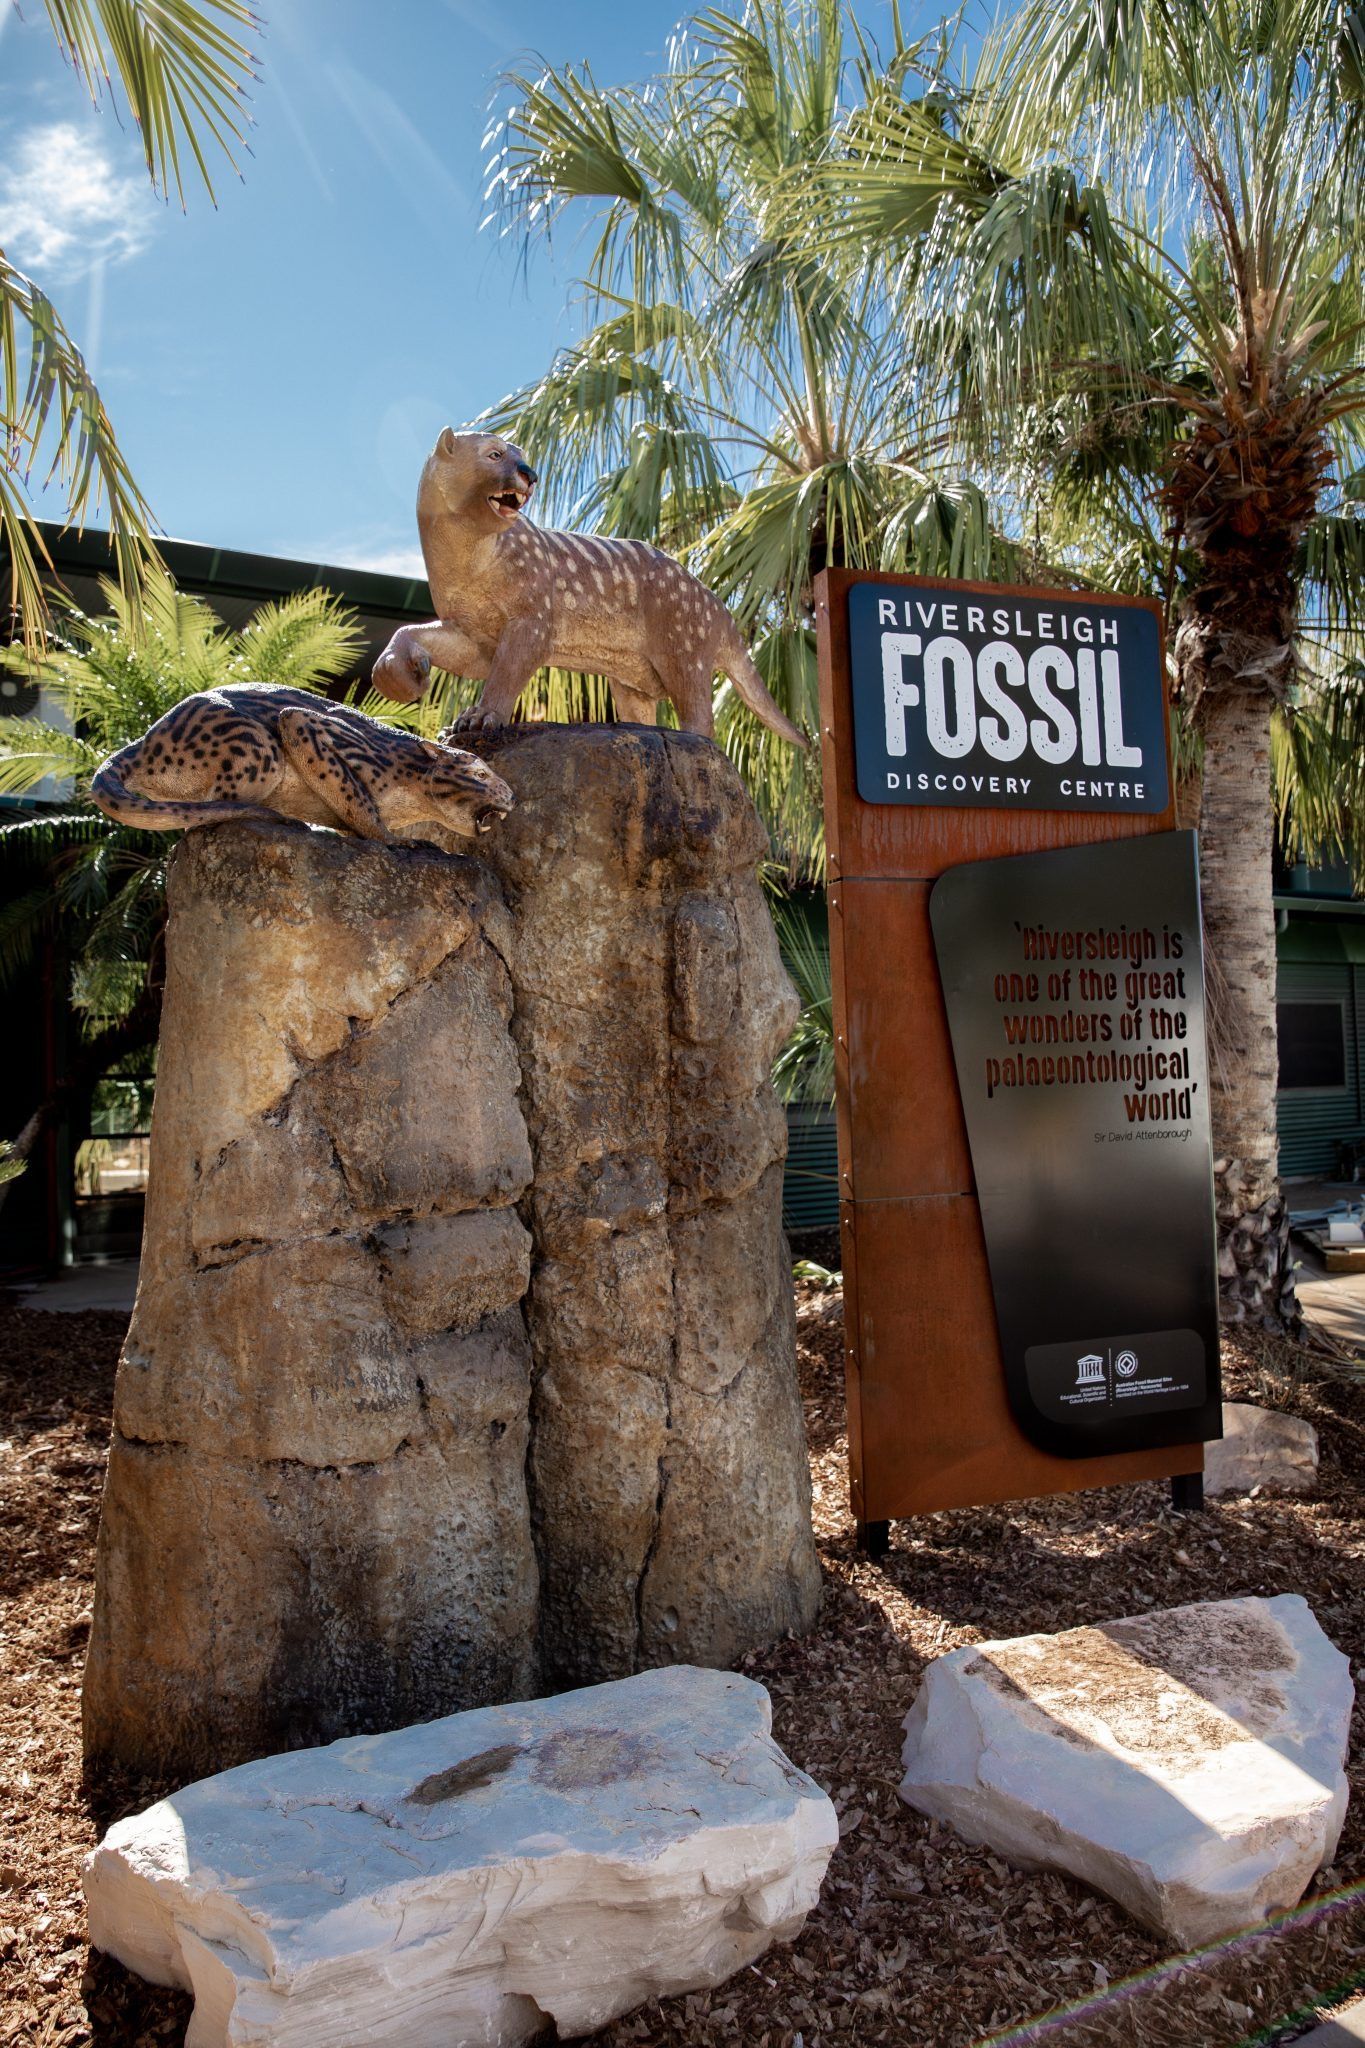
x: 256, y: 750
x: 513, y: 597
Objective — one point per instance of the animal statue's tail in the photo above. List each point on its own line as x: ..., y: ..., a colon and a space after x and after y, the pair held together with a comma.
x: 162, y: 814
x: 738, y: 664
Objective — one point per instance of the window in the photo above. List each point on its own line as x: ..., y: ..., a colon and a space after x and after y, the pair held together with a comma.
x: 1312, y: 1044
x: 112, y: 1158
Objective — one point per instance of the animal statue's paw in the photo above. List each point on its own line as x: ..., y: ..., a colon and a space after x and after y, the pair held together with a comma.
x: 403, y: 670
x: 477, y: 718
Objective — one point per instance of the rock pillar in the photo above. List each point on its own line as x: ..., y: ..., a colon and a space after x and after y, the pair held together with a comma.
x: 669, y: 1477
x: 315, y: 1521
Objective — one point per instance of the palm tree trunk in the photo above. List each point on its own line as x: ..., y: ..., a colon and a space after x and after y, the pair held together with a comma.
x: 1256, y: 1277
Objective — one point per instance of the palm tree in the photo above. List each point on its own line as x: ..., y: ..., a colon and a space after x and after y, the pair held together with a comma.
x: 1142, y: 277
x: 803, y: 1071
x: 182, y: 74
x: 736, y: 396
x: 73, y: 875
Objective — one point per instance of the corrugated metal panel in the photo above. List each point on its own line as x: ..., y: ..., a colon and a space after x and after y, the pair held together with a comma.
x: 1312, y: 1121
x: 810, y: 1186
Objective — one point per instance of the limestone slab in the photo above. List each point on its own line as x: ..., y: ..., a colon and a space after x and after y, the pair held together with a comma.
x: 475, y: 1878
x: 1187, y: 1762
x: 1261, y: 1447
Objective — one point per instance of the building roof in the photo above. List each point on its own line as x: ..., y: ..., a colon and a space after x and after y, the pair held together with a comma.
x: 236, y: 584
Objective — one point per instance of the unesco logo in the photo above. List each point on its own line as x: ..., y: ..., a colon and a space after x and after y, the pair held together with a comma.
x: 1126, y: 1364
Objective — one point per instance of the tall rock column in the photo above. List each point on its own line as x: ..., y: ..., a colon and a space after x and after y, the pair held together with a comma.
x: 315, y: 1521
x: 669, y: 1477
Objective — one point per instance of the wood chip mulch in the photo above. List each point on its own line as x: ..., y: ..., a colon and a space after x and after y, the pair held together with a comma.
x: 919, y: 1940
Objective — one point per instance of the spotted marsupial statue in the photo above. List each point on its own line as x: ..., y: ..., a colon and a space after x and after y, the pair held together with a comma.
x: 255, y: 750
x: 513, y: 597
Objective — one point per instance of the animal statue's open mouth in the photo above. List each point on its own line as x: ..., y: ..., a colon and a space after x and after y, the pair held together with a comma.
x: 507, y: 504
x: 489, y: 816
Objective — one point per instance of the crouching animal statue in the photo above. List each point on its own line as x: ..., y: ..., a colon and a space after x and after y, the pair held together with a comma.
x: 513, y: 597
x: 256, y: 750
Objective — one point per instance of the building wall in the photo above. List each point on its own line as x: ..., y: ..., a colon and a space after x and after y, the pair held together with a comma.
x: 1313, y: 1122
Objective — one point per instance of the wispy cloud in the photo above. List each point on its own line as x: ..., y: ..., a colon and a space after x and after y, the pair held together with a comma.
x: 362, y: 554
x: 64, y: 207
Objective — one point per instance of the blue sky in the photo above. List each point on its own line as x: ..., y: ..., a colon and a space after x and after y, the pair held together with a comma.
x: 278, y: 368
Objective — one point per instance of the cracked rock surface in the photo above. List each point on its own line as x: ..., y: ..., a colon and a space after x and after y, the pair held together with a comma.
x: 1189, y: 1762
x: 473, y: 1879
x: 315, y: 1520
x: 463, y: 1244
x: 670, y: 1486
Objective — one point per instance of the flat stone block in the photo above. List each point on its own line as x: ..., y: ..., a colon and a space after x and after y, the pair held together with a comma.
x: 1187, y: 1762
x: 1261, y: 1447
x: 477, y: 1879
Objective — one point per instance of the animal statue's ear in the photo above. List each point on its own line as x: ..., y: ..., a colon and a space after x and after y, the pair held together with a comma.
x: 446, y: 444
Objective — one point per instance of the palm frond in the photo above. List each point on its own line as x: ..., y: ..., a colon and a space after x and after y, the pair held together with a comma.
x: 39, y: 841
x: 114, y: 674
x: 51, y: 414
x: 305, y: 640
x: 804, y: 1069
x: 1318, y: 763
x: 30, y: 752
x: 179, y: 64
x: 24, y: 920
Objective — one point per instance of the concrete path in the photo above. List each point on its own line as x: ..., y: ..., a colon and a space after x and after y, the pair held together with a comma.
x: 1346, y: 2030
x: 111, y: 1285
x: 1334, y: 1301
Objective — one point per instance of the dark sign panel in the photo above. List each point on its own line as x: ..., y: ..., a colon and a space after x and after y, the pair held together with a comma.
x: 1074, y: 988
x: 982, y: 697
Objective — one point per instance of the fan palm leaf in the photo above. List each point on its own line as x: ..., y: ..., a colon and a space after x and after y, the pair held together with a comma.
x: 737, y: 395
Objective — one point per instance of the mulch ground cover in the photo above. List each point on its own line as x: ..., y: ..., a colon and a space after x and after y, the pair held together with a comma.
x: 919, y: 1940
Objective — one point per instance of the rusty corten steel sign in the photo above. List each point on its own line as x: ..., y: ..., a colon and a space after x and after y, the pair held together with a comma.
x: 963, y: 1392
x: 1075, y: 996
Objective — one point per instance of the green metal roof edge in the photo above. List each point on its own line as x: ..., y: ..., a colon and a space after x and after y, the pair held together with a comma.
x: 1322, y: 906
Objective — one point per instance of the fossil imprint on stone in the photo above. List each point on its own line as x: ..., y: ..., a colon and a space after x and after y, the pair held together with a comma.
x: 502, y: 1877
x: 257, y: 750
x: 513, y: 597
